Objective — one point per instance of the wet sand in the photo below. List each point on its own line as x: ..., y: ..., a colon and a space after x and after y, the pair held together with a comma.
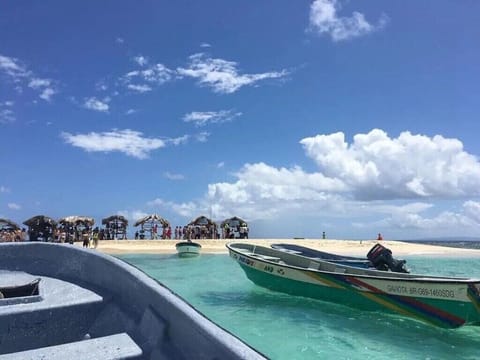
x: 342, y: 247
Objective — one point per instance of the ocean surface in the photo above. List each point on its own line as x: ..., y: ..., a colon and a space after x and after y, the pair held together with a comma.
x: 467, y: 244
x: 288, y: 327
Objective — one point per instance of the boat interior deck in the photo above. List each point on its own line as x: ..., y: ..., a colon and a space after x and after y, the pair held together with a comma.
x: 64, y: 318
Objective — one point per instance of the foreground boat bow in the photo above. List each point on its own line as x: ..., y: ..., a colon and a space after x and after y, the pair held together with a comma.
x: 441, y: 301
x: 61, y: 302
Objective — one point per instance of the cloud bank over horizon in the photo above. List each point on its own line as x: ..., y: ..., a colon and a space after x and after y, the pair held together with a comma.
x: 357, y: 179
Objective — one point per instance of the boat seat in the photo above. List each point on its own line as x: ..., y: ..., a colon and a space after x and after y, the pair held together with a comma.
x: 61, y: 305
x: 289, y: 251
x: 266, y: 257
x: 244, y: 251
x: 117, y: 346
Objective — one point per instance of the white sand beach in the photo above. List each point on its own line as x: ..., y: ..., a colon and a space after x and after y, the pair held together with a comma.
x: 343, y: 247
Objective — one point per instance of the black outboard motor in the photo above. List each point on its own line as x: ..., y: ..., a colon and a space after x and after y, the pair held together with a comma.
x: 382, y: 259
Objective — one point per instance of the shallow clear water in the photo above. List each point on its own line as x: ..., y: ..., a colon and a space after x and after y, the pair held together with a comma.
x: 289, y: 327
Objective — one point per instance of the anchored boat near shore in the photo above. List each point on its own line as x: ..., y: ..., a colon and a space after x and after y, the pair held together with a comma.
x: 188, y: 248
x: 448, y: 302
x: 61, y: 302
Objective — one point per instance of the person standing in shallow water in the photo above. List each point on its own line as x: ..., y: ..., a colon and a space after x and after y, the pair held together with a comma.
x: 379, y: 237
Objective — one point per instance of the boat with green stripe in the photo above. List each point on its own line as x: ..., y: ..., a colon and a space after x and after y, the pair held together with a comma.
x: 447, y: 302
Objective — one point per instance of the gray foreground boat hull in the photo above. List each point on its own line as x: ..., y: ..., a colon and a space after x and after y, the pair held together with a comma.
x: 88, y: 300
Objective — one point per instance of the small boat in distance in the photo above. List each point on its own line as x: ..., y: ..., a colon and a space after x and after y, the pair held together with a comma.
x: 447, y: 302
x: 188, y: 248
x: 378, y: 257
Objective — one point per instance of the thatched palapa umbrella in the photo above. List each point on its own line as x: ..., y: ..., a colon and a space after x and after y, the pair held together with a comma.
x: 234, y: 225
x: 40, y: 220
x: 233, y: 222
x: 75, y: 225
x: 202, y: 227
x: 77, y: 220
x: 150, y: 223
x: 8, y: 225
x: 116, y: 226
x: 9, y: 231
x: 41, y: 228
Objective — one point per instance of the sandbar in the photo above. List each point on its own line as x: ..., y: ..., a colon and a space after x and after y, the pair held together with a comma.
x: 342, y: 247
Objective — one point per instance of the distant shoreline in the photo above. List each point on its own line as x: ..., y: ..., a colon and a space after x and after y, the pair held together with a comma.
x: 343, y: 247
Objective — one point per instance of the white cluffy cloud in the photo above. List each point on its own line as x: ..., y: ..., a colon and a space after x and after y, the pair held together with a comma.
x: 43, y: 85
x: 172, y: 176
x: 6, y: 113
x: 131, y: 111
x: 324, y: 20
x: 222, y: 75
x: 127, y: 141
x: 188, y: 209
x: 401, y: 180
x: 133, y: 215
x: 141, y: 60
x: 13, y: 206
x: 218, y: 74
x: 202, y: 136
x: 139, y: 88
x: 95, y: 104
x: 21, y: 76
x: 142, y: 80
x: 376, y: 166
x: 201, y: 118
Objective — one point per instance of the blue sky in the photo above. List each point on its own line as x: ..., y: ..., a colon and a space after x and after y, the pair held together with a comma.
x: 350, y: 117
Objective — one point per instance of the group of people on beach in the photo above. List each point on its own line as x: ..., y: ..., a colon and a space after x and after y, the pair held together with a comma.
x: 191, y: 232
x: 187, y: 232
x: 90, y: 238
x: 231, y: 232
x: 13, y: 235
x: 166, y: 233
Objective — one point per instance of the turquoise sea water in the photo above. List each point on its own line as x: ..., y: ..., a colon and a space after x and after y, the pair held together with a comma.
x: 289, y: 327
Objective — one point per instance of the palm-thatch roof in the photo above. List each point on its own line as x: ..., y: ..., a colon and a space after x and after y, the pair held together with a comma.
x: 202, y: 220
x: 40, y: 220
x: 115, y: 218
x: 77, y: 220
x: 233, y: 222
x: 8, y: 225
x: 153, y: 218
